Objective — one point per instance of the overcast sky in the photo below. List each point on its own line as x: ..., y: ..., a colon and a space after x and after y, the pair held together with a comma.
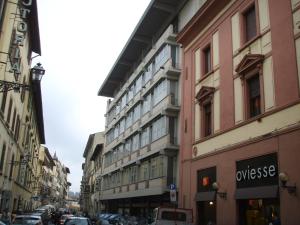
x: 80, y: 42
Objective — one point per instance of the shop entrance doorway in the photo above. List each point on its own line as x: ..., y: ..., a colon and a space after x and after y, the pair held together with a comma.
x: 206, y: 212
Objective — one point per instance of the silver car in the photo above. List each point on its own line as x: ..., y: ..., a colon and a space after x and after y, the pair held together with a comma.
x: 27, y: 219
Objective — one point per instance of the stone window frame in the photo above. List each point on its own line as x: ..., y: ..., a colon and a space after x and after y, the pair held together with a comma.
x: 250, y: 66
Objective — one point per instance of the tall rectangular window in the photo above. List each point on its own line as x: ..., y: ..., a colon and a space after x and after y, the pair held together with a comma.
x: 17, y: 129
x: 123, y: 101
x: 160, y: 92
x: 138, y: 84
x: 122, y: 126
x: 3, y: 103
x: 254, y: 96
x: 148, y: 74
x: 145, y: 137
x: 136, y: 112
x: 14, y: 120
x: 9, y: 111
x: 158, y: 128
x: 129, y: 119
x: 250, y: 23
x: 2, y: 10
x: 2, y: 157
x: 133, y: 174
x: 207, y: 60
x: 127, y: 149
x: 135, y: 142
x: 147, y: 104
x: 144, y: 171
x: 207, y: 119
x: 11, y: 166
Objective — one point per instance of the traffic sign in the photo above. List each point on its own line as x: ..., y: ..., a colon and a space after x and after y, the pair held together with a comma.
x: 172, y: 186
x: 173, y: 196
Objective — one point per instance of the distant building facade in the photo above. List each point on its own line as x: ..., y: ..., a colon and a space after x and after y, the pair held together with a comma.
x: 92, y: 174
x: 240, y: 131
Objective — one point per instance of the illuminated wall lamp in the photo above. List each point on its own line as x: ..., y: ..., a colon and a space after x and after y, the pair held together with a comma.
x: 216, y: 187
x: 283, y: 177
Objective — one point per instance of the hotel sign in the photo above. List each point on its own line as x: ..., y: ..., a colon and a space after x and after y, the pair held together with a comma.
x: 18, y: 37
x: 258, y: 171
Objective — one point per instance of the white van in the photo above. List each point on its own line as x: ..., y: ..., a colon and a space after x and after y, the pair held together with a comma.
x: 172, y: 216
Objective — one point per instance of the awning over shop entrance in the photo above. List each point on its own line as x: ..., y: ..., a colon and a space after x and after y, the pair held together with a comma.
x: 257, y: 192
x: 205, y: 196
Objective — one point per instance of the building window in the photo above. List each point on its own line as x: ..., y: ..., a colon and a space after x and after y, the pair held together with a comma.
x: 123, y: 101
x: 144, y: 171
x: 138, y: 84
x: 207, y: 60
x: 133, y: 174
x: 160, y: 92
x: 250, y: 23
x: 129, y: 117
x: 11, y: 166
x: 254, y: 96
x: 2, y: 10
x: 2, y: 158
x: 207, y: 115
x: 145, y: 137
x: 17, y: 130
x: 3, y: 103
x: 158, y: 128
x: 9, y: 111
x: 148, y: 74
x: 162, y: 57
x: 146, y: 104
x: 22, y: 96
x: 127, y: 147
x: 14, y: 120
x: 135, y: 142
x: 136, y: 113
x: 205, y: 100
x: 122, y: 126
x: 250, y: 72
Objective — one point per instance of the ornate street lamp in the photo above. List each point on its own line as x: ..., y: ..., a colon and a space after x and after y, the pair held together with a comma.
x: 37, y: 73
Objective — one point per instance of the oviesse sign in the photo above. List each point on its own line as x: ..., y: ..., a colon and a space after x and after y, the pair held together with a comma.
x: 19, y: 36
x: 258, y: 171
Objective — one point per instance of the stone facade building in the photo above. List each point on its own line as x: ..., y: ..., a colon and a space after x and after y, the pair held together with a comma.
x: 240, y: 112
x: 21, y: 115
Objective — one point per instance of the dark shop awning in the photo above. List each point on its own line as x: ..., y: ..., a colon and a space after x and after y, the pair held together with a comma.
x: 205, y: 196
x: 257, y: 192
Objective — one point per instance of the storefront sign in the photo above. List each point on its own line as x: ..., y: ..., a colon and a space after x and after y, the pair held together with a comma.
x: 18, y: 37
x: 258, y: 171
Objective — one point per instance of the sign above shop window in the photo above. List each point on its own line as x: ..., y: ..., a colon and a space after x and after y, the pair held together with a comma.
x: 258, y: 171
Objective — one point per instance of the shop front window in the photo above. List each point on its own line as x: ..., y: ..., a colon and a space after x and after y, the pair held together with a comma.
x: 259, y: 211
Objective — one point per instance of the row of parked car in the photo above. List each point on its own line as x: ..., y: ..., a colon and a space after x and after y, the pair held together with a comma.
x: 161, y: 216
x: 118, y: 219
x: 47, y: 215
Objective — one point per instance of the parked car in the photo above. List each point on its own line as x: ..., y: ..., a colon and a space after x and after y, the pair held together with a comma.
x: 115, y: 219
x: 64, y: 217
x: 43, y: 213
x: 172, y: 216
x: 27, y: 219
x: 78, y: 221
